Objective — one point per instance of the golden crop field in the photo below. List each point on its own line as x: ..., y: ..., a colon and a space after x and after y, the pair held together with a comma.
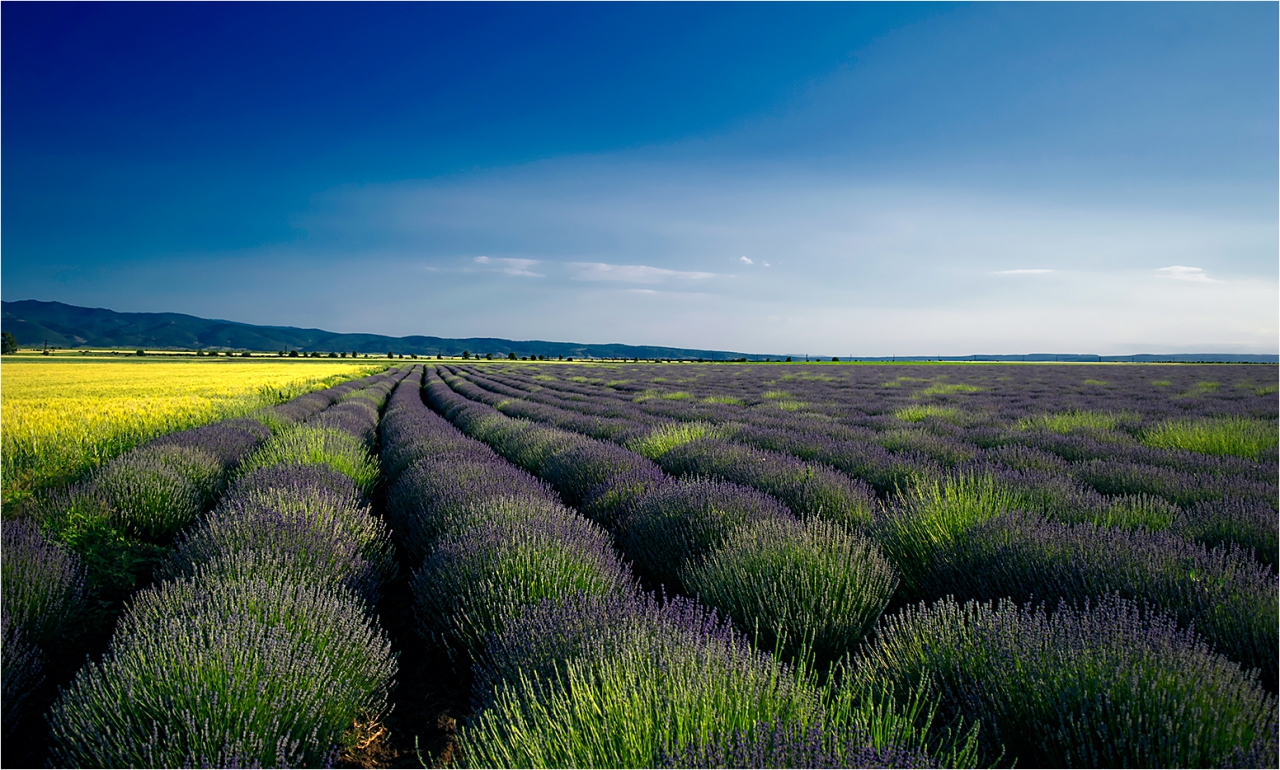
x: 61, y: 416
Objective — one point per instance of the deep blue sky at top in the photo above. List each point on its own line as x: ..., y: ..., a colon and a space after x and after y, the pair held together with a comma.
x: 166, y: 126
x: 157, y: 156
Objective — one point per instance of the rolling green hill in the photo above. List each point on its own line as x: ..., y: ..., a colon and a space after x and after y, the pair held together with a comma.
x: 35, y: 323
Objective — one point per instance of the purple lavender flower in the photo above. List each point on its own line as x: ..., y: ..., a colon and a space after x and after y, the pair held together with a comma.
x: 42, y: 584
x: 681, y: 522
x: 22, y: 664
x: 260, y: 671
x: 1229, y: 597
x: 1108, y: 685
x: 477, y: 578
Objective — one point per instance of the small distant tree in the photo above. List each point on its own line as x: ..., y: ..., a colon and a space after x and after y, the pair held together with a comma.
x: 439, y: 356
x: 246, y: 354
x: 354, y: 354
x: 570, y: 358
x: 488, y: 356
x: 466, y: 354
x: 788, y: 359
x: 293, y: 354
x: 8, y: 343
x: 835, y: 360
x: 561, y: 357
x: 511, y: 356
x: 140, y: 353
x: 333, y: 355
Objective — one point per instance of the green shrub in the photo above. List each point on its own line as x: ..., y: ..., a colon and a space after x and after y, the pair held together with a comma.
x: 226, y: 673
x: 1107, y: 686
x: 157, y: 490
x: 317, y: 445
x: 626, y: 703
x: 811, y: 584
x: 932, y: 515
x: 1239, y: 436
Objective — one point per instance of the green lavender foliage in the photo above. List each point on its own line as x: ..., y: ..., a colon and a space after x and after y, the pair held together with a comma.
x: 317, y: 445
x: 157, y: 490
x: 502, y: 556
x: 1112, y: 685
x: 226, y: 671
x: 621, y: 708
x: 1238, y: 436
x: 42, y: 583
x: 932, y: 516
x: 810, y: 584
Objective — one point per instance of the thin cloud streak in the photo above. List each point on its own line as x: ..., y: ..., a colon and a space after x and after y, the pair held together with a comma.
x: 512, y: 266
x: 603, y: 271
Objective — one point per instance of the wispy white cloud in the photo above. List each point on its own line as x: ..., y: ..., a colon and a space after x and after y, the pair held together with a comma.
x: 603, y: 271
x: 1024, y: 271
x: 1181, y: 273
x: 745, y: 261
x: 511, y: 266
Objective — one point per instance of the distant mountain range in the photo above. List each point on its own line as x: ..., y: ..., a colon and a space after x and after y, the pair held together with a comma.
x: 35, y: 323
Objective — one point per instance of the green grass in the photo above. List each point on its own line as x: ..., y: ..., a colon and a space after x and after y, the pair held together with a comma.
x: 650, y: 694
x: 1095, y: 382
x: 1071, y: 422
x: 918, y: 412
x: 315, y: 445
x: 809, y: 584
x: 664, y: 438
x: 933, y: 514
x: 948, y: 388
x: 734, y: 400
x: 1238, y: 436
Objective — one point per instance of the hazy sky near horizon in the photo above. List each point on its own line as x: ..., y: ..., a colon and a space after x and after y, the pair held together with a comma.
x: 831, y: 179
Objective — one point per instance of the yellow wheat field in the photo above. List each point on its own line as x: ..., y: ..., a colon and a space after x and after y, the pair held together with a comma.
x: 59, y: 417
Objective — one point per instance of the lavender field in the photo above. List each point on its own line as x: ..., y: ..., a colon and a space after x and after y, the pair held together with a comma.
x: 531, y: 564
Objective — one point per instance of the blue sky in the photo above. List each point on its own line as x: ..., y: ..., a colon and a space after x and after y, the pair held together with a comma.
x: 832, y: 179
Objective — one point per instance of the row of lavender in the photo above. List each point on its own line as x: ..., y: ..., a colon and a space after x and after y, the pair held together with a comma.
x: 969, y: 534
x: 1092, y: 679
x: 574, y: 665
x: 119, y: 711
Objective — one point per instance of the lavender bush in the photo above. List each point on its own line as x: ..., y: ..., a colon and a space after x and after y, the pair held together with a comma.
x: 229, y: 441
x: 808, y: 489
x: 681, y: 522
x: 157, y: 490
x: 310, y: 519
x: 1108, y: 685
x: 476, y: 579
x: 811, y: 586
x: 226, y: 673
x: 21, y: 663
x: 317, y: 445
x: 625, y: 694
x: 1250, y: 524
x: 1230, y: 598
x: 42, y: 583
x: 434, y: 490
x: 783, y: 746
